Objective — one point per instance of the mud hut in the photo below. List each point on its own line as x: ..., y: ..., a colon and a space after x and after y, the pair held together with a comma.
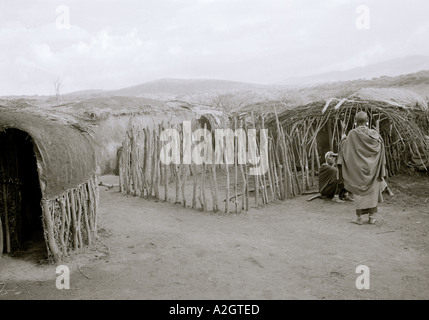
x: 48, y: 182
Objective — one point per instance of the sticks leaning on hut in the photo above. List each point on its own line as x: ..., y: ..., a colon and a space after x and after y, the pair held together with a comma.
x: 402, y: 135
x: 70, y: 219
x: 1, y: 237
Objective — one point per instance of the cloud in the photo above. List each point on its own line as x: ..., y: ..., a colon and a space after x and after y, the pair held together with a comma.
x: 113, y: 44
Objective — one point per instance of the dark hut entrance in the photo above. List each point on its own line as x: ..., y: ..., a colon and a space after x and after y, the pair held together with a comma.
x: 20, y: 196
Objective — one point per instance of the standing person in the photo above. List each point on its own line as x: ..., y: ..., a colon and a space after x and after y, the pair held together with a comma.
x: 363, y: 165
x: 330, y: 184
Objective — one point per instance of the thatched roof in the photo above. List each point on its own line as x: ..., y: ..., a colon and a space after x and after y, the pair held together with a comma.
x: 395, y: 96
x: 64, y: 148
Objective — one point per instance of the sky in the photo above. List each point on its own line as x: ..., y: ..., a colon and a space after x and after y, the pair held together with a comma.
x: 112, y: 44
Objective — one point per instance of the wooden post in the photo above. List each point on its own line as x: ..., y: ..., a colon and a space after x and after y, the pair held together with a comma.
x: 129, y: 166
x: 256, y: 178
x: 203, y: 186
x: 90, y: 206
x: 1, y: 238
x: 244, y: 180
x: 316, y: 153
x: 95, y: 189
x: 6, y: 218
x: 152, y: 161
x: 157, y: 163
x: 227, y: 182
x: 74, y: 221
x: 79, y: 216
x: 194, y: 187
x: 146, y: 162
x: 280, y: 173
x: 329, y: 124
x: 274, y: 171
x: 203, y: 176
x: 281, y: 145
x: 63, y: 223
x: 212, y: 186
x: 143, y: 172
x: 246, y: 173
x: 121, y: 172
x: 134, y: 163
x: 286, y: 163
x: 293, y: 177
x: 270, y: 180
x: 50, y: 231
x: 165, y: 177
x: 69, y: 220
x: 184, y: 178
x: 85, y: 201
x: 179, y: 169
x: 235, y: 167
x: 215, y: 188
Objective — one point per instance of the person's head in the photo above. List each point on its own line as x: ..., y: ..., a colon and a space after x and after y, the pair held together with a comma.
x: 361, y: 118
x: 331, y: 157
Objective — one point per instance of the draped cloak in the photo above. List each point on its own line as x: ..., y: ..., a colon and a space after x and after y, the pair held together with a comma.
x: 363, y: 165
x: 328, y: 180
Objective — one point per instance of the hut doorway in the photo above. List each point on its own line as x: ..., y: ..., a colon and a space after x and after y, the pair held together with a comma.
x: 20, y: 197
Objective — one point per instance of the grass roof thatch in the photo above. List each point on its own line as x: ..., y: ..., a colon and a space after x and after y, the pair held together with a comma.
x: 395, y: 96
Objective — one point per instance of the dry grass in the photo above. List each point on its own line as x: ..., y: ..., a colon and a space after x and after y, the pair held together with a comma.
x: 395, y: 96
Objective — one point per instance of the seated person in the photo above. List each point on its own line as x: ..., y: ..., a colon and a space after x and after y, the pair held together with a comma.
x: 330, y: 184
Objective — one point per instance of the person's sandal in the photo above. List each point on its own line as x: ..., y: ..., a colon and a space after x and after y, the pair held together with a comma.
x: 348, y: 198
x: 372, y: 220
x: 337, y: 199
x: 358, y: 221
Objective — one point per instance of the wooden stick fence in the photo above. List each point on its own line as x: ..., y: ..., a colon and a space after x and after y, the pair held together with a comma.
x: 293, y: 152
x: 207, y: 185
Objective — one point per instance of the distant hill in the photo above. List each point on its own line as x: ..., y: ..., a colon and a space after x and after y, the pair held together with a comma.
x: 417, y: 82
x: 396, y: 67
x: 84, y: 94
x: 218, y: 93
x: 116, y: 103
x: 169, y: 88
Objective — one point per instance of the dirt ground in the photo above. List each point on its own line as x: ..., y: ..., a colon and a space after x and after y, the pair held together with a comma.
x: 293, y: 249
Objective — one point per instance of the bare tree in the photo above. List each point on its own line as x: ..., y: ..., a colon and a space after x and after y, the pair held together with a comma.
x: 57, y: 85
x: 230, y: 103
